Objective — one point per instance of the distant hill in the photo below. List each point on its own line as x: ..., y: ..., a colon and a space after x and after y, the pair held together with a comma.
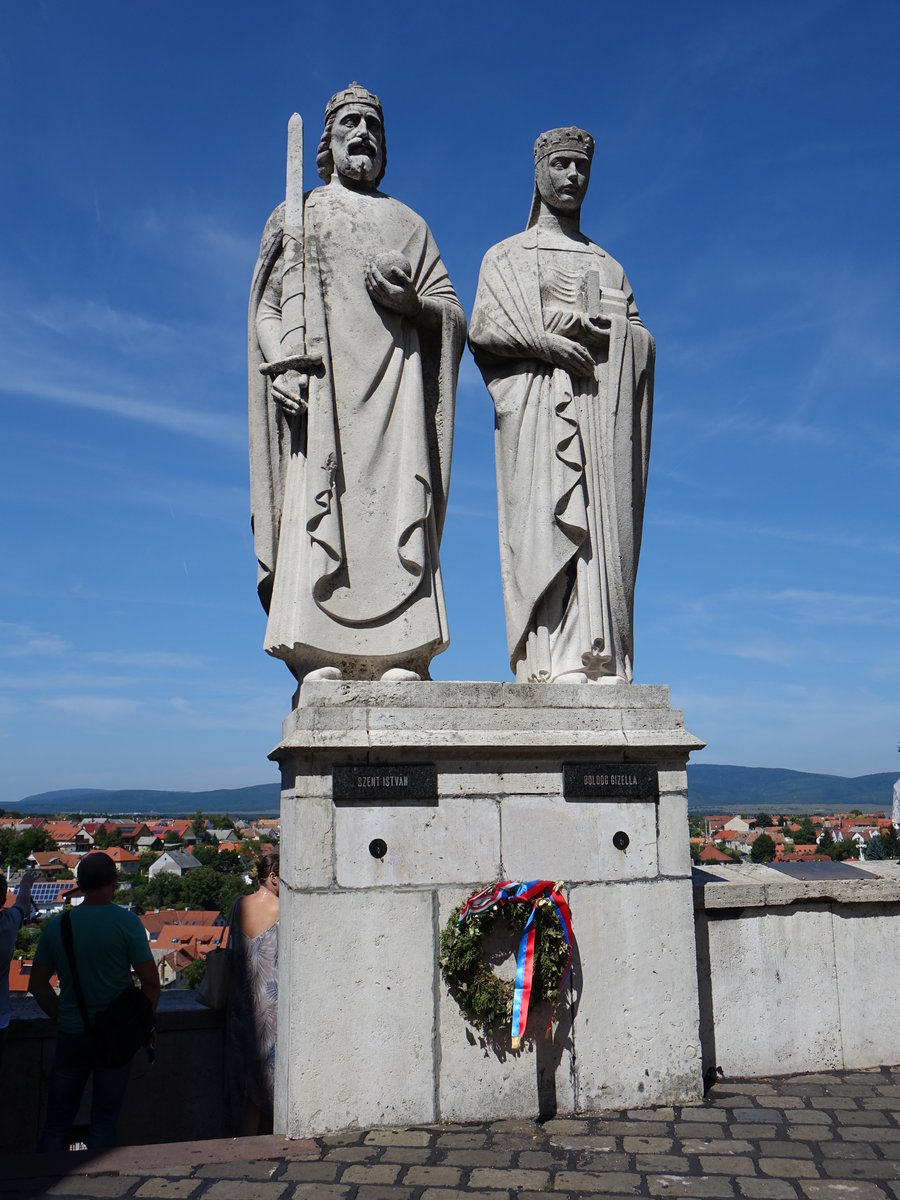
x: 262, y: 800
x: 711, y: 788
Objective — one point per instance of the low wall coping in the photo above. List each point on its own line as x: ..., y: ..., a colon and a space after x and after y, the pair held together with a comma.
x: 755, y: 885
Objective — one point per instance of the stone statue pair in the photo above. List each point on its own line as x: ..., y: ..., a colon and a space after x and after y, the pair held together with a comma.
x: 355, y: 339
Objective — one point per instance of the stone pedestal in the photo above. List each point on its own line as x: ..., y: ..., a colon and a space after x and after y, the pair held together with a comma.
x: 367, y: 1031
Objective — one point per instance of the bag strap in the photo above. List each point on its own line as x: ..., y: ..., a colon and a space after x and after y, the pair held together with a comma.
x: 69, y: 947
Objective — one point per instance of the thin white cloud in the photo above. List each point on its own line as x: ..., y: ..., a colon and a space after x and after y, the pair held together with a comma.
x: 206, y: 426
x: 22, y: 641
x: 742, y: 530
x: 74, y: 318
x: 764, y: 650
x: 93, y: 708
x: 150, y: 659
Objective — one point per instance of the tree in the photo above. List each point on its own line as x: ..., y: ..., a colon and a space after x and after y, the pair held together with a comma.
x: 198, y: 825
x: 172, y: 838
x: 202, y: 887
x: 696, y: 848
x: 229, y: 862
x: 806, y: 834
x: 106, y: 837
x: 875, y: 849
x: 193, y: 973
x: 762, y: 820
x: 165, y: 890
x: 222, y: 821
x: 890, y: 842
x: 763, y: 849
x: 846, y: 848
x: 16, y: 847
x: 826, y: 841
x: 230, y: 888
x: 207, y: 856
x: 734, y: 855
x: 146, y: 861
x: 26, y: 941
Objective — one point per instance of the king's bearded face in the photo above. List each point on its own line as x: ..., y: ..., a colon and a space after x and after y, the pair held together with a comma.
x: 357, y: 143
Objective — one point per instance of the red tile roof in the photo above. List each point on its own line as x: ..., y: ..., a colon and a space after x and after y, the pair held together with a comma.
x: 710, y: 854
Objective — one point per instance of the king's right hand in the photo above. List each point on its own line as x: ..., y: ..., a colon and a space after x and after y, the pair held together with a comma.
x: 290, y: 391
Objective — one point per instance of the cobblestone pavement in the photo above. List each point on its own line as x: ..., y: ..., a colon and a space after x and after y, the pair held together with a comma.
x: 833, y: 1136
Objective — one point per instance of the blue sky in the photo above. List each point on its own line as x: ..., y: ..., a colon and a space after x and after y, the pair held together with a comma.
x: 746, y: 174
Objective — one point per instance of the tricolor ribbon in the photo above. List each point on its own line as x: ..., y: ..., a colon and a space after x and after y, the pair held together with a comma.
x: 507, y: 892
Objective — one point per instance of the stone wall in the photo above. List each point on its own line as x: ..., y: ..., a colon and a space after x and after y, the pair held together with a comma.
x: 178, y: 1098
x: 797, y: 976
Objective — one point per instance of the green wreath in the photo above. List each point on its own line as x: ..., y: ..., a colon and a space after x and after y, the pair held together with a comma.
x: 484, y: 999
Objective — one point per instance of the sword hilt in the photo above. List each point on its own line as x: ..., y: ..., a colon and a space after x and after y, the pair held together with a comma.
x: 307, y: 364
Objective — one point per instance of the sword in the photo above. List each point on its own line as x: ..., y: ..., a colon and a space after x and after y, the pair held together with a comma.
x: 293, y: 286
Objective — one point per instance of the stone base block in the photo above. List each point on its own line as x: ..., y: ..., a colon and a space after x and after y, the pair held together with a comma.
x: 368, y: 1033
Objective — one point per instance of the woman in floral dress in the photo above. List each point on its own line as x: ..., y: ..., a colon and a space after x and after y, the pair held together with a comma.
x: 253, y: 1005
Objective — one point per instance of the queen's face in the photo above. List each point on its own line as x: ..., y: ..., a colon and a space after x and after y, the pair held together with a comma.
x: 562, y: 180
x: 357, y: 143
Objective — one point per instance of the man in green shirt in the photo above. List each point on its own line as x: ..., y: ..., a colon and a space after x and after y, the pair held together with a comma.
x: 108, y: 942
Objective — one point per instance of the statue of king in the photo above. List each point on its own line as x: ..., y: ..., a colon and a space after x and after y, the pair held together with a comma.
x: 350, y: 440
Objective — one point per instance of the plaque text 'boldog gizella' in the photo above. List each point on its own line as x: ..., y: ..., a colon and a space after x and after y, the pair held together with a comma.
x: 612, y: 782
x: 411, y: 782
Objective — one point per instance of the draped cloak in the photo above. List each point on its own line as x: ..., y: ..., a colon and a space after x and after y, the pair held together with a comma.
x: 571, y: 458
x: 348, y: 499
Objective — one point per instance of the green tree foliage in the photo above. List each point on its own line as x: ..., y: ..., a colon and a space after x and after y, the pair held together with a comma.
x: 229, y: 862
x: 172, y: 838
x: 104, y: 838
x: 230, y: 888
x: 201, y: 888
x: 826, y: 841
x: 198, y: 825
x: 165, y: 890
x: 806, y: 834
x: 847, y: 848
x: 762, y: 819
x: 26, y: 941
x: 222, y: 821
x: 16, y: 847
x: 207, y: 856
x: 193, y: 973
x: 226, y: 862
x: 207, y: 888
x: 890, y: 842
x: 734, y: 855
x: 875, y: 849
x: 763, y: 849
x: 695, y: 851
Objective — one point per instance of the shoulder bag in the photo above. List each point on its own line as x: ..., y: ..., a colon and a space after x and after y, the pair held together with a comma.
x: 124, y: 1026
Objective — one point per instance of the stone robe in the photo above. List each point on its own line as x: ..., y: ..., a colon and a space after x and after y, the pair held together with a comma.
x: 571, y: 456
x: 348, y: 499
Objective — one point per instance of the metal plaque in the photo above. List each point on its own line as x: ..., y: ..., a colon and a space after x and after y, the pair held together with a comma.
x: 611, y: 782
x: 411, y: 783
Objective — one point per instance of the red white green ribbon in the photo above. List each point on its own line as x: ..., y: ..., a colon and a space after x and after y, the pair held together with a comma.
x: 495, y: 895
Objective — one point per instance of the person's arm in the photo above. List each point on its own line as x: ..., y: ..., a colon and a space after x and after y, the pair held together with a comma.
x: 39, y: 986
x: 23, y: 896
x: 149, y: 980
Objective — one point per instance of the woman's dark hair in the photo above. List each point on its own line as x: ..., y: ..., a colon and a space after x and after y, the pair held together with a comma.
x: 267, y: 864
